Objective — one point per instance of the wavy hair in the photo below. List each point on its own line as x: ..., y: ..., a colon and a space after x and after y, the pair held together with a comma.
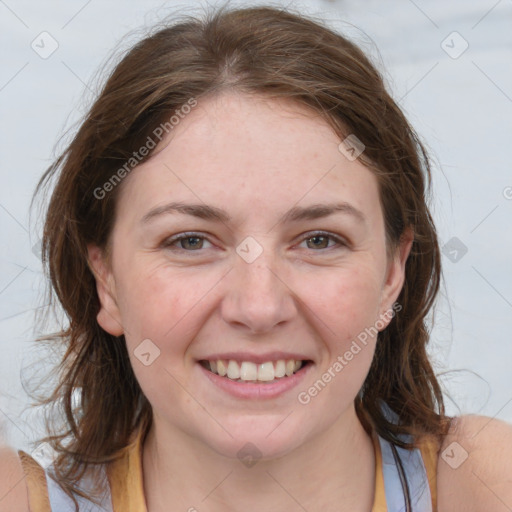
x: 265, y: 51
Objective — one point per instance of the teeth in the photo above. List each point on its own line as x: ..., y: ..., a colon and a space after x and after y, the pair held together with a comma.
x: 233, y: 370
x: 221, y: 368
x: 280, y: 370
x: 266, y: 371
x: 248, y: 371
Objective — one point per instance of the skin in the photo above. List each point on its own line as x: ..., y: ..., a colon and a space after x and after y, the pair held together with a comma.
x: 257, y: 159
x: 484, y: 479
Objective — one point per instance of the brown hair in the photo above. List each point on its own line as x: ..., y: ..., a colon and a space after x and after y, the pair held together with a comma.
x: 265, y: 51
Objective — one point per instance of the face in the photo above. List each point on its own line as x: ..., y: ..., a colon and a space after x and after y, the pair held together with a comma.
x: 244, y: 277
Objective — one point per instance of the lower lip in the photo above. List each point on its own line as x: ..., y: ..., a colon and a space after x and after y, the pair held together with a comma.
x: 253, y: 390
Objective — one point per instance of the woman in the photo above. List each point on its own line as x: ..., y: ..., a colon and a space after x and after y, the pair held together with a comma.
x: 240, y: 238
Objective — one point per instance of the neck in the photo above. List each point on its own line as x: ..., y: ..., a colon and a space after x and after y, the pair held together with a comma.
x: 334, y: 471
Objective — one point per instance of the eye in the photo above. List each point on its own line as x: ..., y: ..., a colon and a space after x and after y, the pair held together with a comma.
x: 187, y: 242
x: 191, y: 242
x: 319, y: 240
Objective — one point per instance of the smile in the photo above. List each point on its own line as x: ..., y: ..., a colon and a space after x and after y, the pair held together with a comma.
x: 247, y: 371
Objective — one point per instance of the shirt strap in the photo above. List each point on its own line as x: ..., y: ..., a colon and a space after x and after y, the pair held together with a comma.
x: 415, y: 474
x: 36, y: 483
x: 125, y: 478
x: 429, y: 447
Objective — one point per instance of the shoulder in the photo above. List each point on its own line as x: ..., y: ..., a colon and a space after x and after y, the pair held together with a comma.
x: 475, y: 466
x: 13, y: 486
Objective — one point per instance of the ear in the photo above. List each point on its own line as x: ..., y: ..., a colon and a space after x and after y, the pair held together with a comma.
x: 108, y: 316
x: 395, y: 275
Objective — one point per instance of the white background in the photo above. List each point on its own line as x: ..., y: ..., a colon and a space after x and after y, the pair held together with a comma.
x: 462, y: 108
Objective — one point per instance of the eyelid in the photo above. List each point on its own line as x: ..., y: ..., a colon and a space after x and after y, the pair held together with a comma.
x: 337, y: 238
x: 167, y: 242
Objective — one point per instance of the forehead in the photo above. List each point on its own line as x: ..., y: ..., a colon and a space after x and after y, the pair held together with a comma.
x: 248, y: 155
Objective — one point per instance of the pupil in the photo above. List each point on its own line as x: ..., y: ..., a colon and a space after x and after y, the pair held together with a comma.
x: 317, y: 237
x: 187, y: 240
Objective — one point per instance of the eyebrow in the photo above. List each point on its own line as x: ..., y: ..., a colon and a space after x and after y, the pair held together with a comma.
x: 295, y: 214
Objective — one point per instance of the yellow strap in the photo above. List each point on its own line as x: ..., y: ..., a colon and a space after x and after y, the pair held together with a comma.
x: 429, y: 451
x: 36, y: 483
x: 124, y: 474
x: 125, y: 479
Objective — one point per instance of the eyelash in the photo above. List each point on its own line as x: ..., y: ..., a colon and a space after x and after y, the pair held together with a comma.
x: 167, y: 243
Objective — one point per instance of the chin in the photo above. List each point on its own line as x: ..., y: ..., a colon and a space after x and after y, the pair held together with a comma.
x: 258, y: 438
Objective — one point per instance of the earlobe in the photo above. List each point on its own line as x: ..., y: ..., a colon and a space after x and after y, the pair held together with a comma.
x: 396, y: 273
x: 109, y: 317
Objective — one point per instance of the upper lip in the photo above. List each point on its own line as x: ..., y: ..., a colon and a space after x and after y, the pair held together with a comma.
x: 256, y: 358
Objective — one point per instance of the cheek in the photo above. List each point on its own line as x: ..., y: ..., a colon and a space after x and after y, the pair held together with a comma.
x: 161, y: 304
x: 345, y: 310
x: 348, y: 302
x: 158, y: 308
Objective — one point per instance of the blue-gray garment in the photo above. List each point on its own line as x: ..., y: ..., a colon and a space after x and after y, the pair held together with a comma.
x: 412, y: 462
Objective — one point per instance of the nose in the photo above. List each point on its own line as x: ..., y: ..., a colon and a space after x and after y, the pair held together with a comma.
x: 258, y: 297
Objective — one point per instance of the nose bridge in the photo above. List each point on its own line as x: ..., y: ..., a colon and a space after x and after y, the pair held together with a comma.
x: 257, y: 296
x: 261, y: 276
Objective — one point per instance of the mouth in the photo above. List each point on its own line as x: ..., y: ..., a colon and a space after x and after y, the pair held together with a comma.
x: 255, y: 373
